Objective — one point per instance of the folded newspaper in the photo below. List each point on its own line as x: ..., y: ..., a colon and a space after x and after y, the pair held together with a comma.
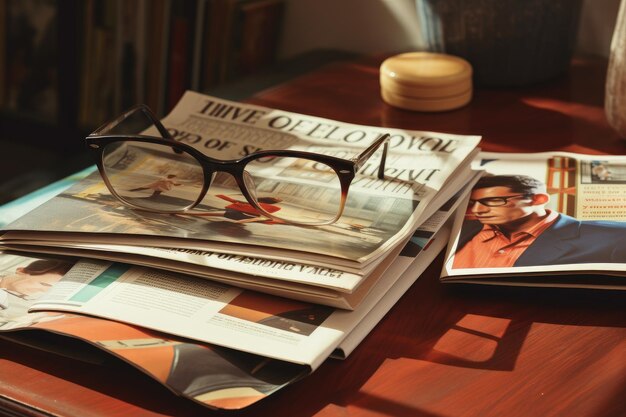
x: 548, y: 219
x: 335, y: 264
x: 215, y: 344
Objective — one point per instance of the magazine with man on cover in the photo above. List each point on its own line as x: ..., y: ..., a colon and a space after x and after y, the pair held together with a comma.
x: 548, y: 219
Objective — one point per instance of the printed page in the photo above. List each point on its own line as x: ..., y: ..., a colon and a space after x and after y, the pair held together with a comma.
x: 210, y: 375
x: 378, y: 214
x: 244, y: 320
x: 425, y: 244
x: 553, y: 214
x: 190, y: 307
x: 293, y: 290
x: 306, y: 288
x: 216, y: 263
x: 416, y: 266
x: 59, y: 239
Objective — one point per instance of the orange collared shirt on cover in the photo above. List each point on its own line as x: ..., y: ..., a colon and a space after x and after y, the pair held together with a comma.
x: 490, y: 248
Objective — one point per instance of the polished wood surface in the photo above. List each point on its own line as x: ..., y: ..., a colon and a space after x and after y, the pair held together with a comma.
x: 443, y: 351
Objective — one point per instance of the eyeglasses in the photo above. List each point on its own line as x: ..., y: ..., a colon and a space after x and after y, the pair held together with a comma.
x: 162, y: 175
x: 495, y: 201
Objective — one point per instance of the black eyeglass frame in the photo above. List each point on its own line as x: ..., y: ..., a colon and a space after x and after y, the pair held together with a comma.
x: 345, y: 169
x: 505, y: 198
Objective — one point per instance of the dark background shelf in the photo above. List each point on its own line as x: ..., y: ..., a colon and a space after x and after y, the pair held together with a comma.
x: 34, y: 154
x: 66, y: 66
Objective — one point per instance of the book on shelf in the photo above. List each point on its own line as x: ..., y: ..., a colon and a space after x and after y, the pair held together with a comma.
x: 240, y: 38
x: 335, y: 264
x: 101, y: 61
x: 180, y: 52
x: 3, y: 48
x: 218, y: 345
x: 30, y: 60
x: 255, y: 34
x: 130, y: 47
x: 105, y: 55
x: 549, y: 219
x: 157, y: 36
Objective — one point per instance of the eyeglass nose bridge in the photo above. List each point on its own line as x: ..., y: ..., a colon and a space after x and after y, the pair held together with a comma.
x: 239, y: 174
x: 245, y: 182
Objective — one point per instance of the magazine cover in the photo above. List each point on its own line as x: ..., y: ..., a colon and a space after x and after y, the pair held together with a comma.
x: 31, y: 62
x: 378, y: 213
x: 539, y: 219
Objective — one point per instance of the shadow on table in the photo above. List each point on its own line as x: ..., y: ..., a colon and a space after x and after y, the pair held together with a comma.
x: 436, y: 331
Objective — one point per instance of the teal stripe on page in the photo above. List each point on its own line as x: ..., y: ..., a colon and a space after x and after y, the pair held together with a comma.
x: 92, y: 289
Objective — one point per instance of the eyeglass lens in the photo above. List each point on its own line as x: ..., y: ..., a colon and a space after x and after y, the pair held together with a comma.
x: 155, y: 177
x: 300, y: 190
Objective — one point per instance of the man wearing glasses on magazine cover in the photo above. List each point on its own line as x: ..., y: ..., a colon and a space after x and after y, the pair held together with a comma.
x: 507, y: 225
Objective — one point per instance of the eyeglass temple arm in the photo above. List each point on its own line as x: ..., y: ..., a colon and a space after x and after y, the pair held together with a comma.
x: 146, y: 111
x: 360, y: 159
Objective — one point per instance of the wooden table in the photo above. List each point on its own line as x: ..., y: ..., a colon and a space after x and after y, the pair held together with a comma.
x: 442, y: 351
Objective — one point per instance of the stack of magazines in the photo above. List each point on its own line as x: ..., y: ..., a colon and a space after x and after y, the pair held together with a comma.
x: 270, y: 239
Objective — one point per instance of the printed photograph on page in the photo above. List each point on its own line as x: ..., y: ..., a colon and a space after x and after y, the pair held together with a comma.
x: 542, y: 213
x: 23, y: 280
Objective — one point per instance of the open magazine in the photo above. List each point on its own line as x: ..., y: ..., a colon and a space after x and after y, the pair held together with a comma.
x: 211, y: 375
x: 327, y: 264
x: 547, y: 219
x: 248, y: 345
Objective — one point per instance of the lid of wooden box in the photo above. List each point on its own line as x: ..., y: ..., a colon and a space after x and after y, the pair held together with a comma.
x: 426, y: 81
